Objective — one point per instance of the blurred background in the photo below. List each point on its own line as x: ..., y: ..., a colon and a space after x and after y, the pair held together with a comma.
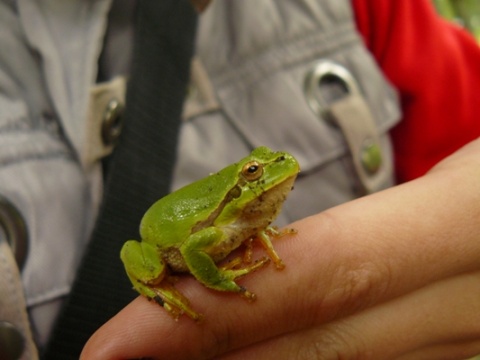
x: 465, y: 13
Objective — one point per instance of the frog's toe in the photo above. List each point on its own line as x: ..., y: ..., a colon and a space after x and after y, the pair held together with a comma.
x: 159, y: 300
x: 173, y: 310
x: 237, y: 273
x: 174, y: 302
x: 247, y: 294
x: 232, y: 264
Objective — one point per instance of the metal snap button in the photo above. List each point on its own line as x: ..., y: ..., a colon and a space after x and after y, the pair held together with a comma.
x: 112, y: 122
x: 326, y: 83
x: 371, y: 157
x: 13, y: 227
x: 11, y: 342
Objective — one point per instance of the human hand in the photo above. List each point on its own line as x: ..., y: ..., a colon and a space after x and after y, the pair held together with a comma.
x: 395, y: 275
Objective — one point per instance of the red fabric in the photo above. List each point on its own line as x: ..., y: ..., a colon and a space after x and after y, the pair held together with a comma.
x: 435, y: 65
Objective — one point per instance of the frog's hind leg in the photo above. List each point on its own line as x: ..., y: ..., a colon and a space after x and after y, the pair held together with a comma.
x: 149, y: 277
x: 202, y: 266
x: 174, y: 301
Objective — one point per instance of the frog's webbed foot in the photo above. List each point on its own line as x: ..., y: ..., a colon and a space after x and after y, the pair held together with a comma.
x: 238, y: 273
x: 233, y: 264
x: 232, y: 271
x: 174, y: 301
x: 249, y: 296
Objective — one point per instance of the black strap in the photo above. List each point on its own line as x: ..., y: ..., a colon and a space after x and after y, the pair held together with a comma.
x: 139, y: 173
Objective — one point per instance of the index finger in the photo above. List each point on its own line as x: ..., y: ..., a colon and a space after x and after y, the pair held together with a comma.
x: 343, y: 260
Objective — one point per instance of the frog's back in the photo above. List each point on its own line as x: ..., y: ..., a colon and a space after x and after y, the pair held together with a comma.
x: 170, y: 220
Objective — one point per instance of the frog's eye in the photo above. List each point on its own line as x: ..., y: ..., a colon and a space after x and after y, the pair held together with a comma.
x: 252, y: 171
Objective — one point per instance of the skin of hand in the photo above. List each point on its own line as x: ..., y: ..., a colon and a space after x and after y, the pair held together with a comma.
x: 393, y: 275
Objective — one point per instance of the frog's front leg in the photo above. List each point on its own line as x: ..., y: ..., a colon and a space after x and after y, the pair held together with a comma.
x: 149, y: 277
x: 195, y: 252
x: 265, y: 239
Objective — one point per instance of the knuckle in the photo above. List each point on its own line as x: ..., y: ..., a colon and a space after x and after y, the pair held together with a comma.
x: 335, y: 342
x: 359, y: 275
x: 357, y: 285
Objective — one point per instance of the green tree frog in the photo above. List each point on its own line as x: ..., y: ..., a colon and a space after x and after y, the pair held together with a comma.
x: 194, y: 228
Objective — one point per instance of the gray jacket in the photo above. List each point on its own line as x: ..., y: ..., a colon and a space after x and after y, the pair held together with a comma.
x: 286, y: 74
x: 51, y: 115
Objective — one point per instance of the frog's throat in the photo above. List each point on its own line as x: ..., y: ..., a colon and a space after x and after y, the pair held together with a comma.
x: 261, y: 211
x: 255, y: 217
